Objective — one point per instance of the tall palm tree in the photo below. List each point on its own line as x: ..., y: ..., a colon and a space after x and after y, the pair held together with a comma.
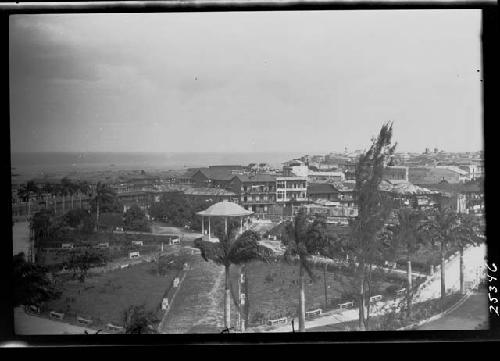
x: 232, y: 251
x: 102, y: 195
x: 440, y: 226
x: 83, y: 188
x: 27, y: 192
x: 467, y: 232
x: 69, y: 187
x: 407, y: 235
x: 301, y: 240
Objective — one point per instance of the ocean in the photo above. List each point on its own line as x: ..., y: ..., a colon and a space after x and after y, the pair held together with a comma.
x: 66, y: 163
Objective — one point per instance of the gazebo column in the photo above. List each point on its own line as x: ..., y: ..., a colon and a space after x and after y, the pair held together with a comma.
x: 241, y: 224
x: 202, y: 225
x: 225, y: 225
x: 209, y: 229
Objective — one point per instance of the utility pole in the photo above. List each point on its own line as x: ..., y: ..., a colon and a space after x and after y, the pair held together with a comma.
x: 326, y: 288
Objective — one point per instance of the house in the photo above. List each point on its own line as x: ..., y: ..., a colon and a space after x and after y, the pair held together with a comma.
x: 255, y: 192
x: 466, y: 197
x: 396, y: 173
x: 325, y: 191
x: 291, y: 189
x: 213, y: 176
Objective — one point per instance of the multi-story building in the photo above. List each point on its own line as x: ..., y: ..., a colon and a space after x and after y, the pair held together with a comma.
x: 255, y: 192
x: 291, y: 190
x: 325, y: 177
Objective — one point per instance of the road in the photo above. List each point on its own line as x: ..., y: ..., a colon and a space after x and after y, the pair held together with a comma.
x: 468, y: 316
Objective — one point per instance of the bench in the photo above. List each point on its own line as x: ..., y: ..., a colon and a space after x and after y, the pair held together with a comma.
x: 313, y: 313
x: 375, y: 298
x: 124, y: 266
x: 133, y: 255
x: 137, y: 243
x: 83, y: 321
x: 32, y: 309
x: 401, y: 291
x: 67, y: 245
x: 175, y: 241
x: 112, y: 327
x: 102, y: 245
x: 346, y: 305
x: 277, y: 321
x: 164, y: 304
x: 56, y: 315
x: 176, y: 282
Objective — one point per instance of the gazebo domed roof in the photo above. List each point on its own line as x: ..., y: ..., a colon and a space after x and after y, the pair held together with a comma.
x: 225, y: 209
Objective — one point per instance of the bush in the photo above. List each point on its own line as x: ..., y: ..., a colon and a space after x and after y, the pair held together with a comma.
x: 258, y: 317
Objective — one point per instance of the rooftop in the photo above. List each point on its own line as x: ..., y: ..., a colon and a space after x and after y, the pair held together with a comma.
x: 225, y: 209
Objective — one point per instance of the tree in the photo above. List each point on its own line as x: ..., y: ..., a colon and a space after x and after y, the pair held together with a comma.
x: 80, y: 219
x: 80, y: 263
x: 374, y: 208
x: 467, y: 232
x: 406, y: 234
x: 83, y: 188
x: 302, y: 239
x: 440, y: 226
x: 231, y: 250
x: 104, y: 199
x: 27, y: 192
x: 31, y: 284
x: 137, y: 320
x: 69, y: 187
x: 135, y: 219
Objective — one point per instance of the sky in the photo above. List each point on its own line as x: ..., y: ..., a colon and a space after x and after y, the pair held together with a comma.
x: 312, y: 82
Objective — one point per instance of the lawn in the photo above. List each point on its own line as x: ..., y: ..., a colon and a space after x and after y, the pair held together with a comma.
x: 104, y: 297
x: 274, y: 292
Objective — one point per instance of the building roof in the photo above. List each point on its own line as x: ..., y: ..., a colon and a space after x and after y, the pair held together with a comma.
x: 344, y: 186
x: 255, y: 177
x: 457, y: 187
x: 320, y: 188
x: 225, y: 209
x: 208, y: 192
x: 403, y: 187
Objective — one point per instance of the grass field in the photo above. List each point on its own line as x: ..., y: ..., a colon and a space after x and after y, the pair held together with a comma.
x: 273, y: 289
x: 104, y: 297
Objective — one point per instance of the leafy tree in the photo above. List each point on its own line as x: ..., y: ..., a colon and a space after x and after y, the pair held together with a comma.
x: 137, y: 320
x: 374, y: 208
x: 27, y: 192
x: 135, y: 219
x: 80, y: 219
x: 80, y: 263
x: 231, y: 250
x: 302, y: 239
x: 31, y: 284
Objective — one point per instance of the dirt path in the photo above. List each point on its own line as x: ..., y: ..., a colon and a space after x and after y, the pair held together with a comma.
x: 197, y: 308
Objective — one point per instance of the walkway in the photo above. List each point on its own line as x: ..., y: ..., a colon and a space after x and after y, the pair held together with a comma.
x: 197, y: 307
x: 468, y: 316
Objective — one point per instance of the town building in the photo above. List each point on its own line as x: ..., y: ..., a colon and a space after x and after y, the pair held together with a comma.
x: 291, y: 190
x: 255, y: 192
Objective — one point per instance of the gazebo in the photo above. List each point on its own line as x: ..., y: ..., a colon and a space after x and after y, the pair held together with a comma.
x: 223, y: 209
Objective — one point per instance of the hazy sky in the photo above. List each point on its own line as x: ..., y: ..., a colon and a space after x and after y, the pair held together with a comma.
x: 239, y: 81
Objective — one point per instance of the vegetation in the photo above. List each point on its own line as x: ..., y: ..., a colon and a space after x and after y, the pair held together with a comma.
x: 137, y: 320
x: 374, y: 209
x: 31, y: 284
x: 232, y: 250
x: 302, y: 239
x: 135, y: 220
x: 80, y: 263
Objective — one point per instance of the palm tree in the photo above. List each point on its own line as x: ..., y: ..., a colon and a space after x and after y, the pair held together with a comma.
x: 83, y: 188
x: 102, y: 195
x: 69, y: 188
x: 301, y: 240
x: 230, y: 251
x: 467, y: 232
x: 26, y: 192
x: 407, y: 234
x: 440, y: 227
